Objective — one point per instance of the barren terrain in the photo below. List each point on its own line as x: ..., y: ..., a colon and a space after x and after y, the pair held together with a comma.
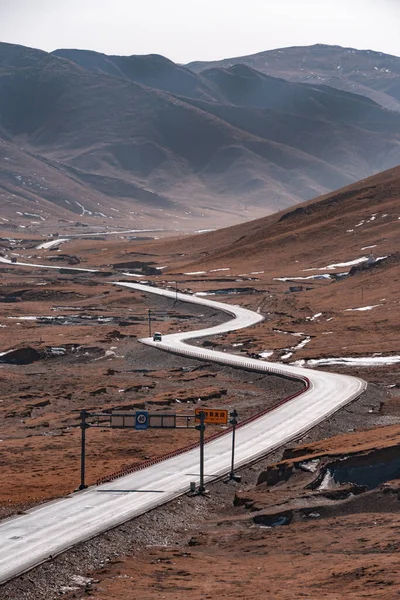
x: 74, y: 337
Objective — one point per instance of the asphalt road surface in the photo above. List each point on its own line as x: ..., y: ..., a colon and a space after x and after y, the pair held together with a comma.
x: 29, y: 539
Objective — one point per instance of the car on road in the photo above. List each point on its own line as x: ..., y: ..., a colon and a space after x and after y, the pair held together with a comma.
x: 157, y: 337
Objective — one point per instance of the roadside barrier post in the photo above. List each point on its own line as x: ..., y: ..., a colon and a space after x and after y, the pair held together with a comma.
x: 149, y: 313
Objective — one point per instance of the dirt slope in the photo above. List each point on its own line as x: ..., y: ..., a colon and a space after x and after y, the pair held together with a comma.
x: 324, y: 229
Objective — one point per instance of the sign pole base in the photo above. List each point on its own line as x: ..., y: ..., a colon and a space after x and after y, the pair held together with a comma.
x: 234, y: 477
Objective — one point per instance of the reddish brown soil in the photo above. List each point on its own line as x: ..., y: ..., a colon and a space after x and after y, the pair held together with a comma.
x: 309, y: 560
x: 349, y: 551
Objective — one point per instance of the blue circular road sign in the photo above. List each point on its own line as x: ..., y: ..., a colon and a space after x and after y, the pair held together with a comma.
x: 142, y: 419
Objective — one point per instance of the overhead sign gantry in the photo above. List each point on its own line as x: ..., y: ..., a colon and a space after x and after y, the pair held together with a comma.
x: 141, y: 420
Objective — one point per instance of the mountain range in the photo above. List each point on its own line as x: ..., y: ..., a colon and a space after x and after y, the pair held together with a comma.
x: 365, y: 72
x: 143, y: 140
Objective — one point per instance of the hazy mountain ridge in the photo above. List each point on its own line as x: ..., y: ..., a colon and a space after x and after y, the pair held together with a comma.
x: 231, y: 139
x: 152, y: 70
x: 244, y: 86
x: 372, y: 74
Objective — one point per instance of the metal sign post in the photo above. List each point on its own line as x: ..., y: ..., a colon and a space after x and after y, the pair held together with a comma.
x: 201, y: 414
x: 233, y: 421
x: 83, y: 426
x: 149, y: 315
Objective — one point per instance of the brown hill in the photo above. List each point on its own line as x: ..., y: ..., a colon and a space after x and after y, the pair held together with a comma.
x: 307, y: 261
x: 288, y: 239
x: 372, y: 74
x: 110, y: 147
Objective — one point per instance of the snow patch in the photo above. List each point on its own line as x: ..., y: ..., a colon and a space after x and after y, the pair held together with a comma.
x: 51, y: 244
x: 7, y: 352
x: 23, y: 318
x: 310, y: 465
x: 316, y: 316
x: 196, y: 273
x: 84, y: 210
x: 349, y: 263
x: 217, y: 270
x: 362, y: 308
x: 361, y: 361
x: 327, y: 481
x: 324, y: 276
x: 301, y: 345
x: 266, y: 354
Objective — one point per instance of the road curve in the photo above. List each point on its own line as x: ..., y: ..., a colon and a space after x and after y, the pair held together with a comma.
x: 29, y: 539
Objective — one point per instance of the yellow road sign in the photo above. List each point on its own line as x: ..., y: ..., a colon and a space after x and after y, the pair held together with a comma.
x: 212, y: 415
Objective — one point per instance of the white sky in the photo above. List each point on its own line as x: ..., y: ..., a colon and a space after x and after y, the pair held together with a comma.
x: 186, y: 30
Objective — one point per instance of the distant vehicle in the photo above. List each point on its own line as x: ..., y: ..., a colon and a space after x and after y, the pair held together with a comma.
x: 157, y: 337
x: 13, y: 260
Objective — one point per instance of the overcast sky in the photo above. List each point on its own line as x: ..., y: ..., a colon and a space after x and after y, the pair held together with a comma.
x: 186, y: 30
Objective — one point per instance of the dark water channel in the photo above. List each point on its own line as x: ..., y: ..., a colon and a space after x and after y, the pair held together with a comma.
x: 368, y: 475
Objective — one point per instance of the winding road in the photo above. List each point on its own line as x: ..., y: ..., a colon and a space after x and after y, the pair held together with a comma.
x: 29, y: 539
